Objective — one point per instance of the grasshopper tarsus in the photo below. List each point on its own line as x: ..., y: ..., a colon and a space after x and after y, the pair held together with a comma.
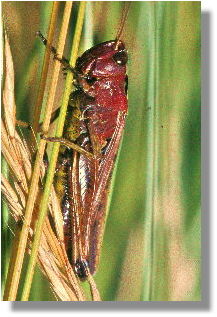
x: 24, y: 124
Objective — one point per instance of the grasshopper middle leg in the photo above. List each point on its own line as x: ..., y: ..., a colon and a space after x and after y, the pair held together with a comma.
x: 69, y: 144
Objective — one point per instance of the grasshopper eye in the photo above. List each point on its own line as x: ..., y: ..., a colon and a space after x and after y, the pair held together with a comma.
x: 120, y: 58
x: 90, y: 80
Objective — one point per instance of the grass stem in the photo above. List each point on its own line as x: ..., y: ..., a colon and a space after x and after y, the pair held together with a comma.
x: 54, y: 153
x: 41, y: 89
x: 14, y: 276
x: 36, y: 172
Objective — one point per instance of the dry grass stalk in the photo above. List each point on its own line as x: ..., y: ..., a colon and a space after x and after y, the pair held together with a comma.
x: 33, y: 187
x: 52, y: 257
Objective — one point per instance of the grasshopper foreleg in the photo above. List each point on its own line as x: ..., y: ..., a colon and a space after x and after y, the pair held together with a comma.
x: 64, y: 61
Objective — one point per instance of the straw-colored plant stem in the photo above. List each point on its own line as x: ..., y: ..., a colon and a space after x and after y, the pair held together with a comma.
x: 41, y: 89
x: 93, y: 289
x: 15, y: 277
x: 150, y: 158
x: 54, y: 155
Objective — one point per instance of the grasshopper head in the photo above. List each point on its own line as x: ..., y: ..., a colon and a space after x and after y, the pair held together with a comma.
x: 105, y: 60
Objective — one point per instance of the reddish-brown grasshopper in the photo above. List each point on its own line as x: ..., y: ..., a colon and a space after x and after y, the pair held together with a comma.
x: 94, y: 126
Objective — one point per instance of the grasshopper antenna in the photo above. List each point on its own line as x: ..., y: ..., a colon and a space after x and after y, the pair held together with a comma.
x: 123, y: 20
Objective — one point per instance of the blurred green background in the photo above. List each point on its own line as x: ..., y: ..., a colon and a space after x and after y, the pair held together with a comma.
x: 151, y: 248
